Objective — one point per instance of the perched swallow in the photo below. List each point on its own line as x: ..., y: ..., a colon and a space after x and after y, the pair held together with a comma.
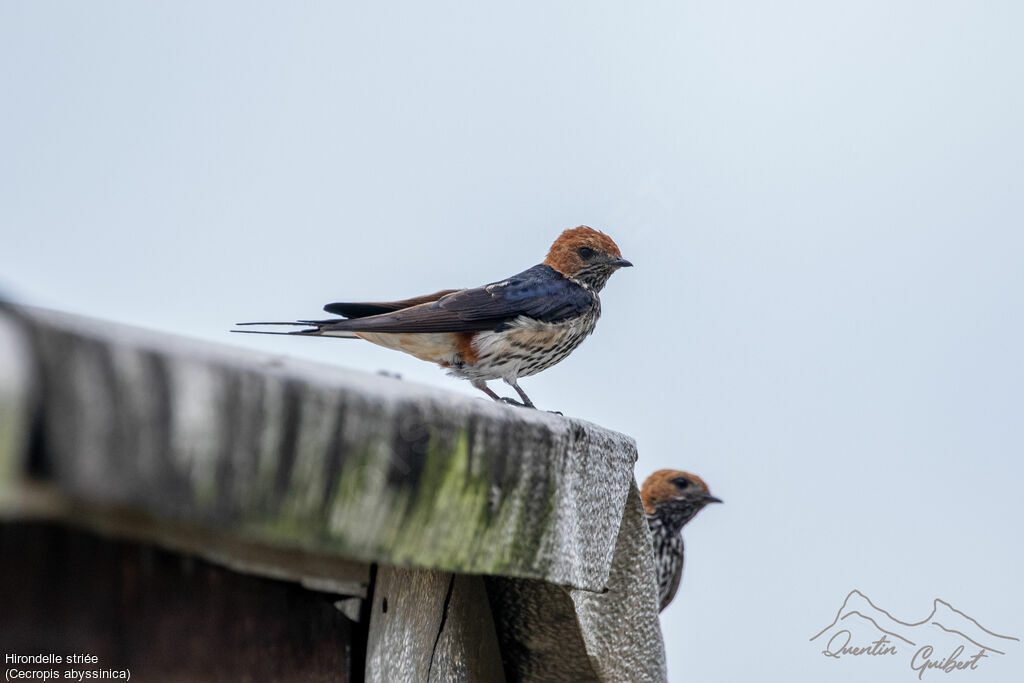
x: 507, y: 329
x: 671, y: 499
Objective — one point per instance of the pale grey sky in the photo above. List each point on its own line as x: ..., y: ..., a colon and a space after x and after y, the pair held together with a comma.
x: 824, y: 202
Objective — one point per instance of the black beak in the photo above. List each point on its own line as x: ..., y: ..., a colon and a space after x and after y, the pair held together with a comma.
x: 712, y: 499
x: 621, y: 263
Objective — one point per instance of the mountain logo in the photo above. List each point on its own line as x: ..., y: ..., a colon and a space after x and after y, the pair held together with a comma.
x: 947, y: 640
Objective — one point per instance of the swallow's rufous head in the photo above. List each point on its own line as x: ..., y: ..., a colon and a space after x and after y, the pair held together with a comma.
x: 675, y: 494
x: 587, y: 255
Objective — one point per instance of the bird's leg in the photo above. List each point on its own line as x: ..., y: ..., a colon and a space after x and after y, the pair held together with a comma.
x: 522, y: 394
x: 482, y: 386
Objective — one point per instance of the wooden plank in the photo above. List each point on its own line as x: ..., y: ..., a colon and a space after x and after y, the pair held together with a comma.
x: 431, y: 626
x: 408, y: 606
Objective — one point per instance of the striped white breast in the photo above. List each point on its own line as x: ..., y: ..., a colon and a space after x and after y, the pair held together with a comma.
x: 526, y: 348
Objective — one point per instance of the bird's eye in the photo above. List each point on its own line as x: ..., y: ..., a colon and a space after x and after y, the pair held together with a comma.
x: 585, y: 252
x: 681, y: 482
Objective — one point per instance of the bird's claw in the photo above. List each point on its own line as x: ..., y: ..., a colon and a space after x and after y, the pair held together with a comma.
x: 513, y: 402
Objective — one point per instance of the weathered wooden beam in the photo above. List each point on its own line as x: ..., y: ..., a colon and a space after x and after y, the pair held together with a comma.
x: 307, y: 456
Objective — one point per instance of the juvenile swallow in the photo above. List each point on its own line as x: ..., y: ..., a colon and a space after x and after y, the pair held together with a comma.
x: 507, y: 329
x: 671, y: 499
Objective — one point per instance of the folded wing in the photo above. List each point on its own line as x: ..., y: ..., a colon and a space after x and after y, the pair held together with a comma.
x: 363, y: 310
x: 540, y: 293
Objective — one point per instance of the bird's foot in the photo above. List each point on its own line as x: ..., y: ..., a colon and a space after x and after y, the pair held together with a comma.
x: 513, y: 402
